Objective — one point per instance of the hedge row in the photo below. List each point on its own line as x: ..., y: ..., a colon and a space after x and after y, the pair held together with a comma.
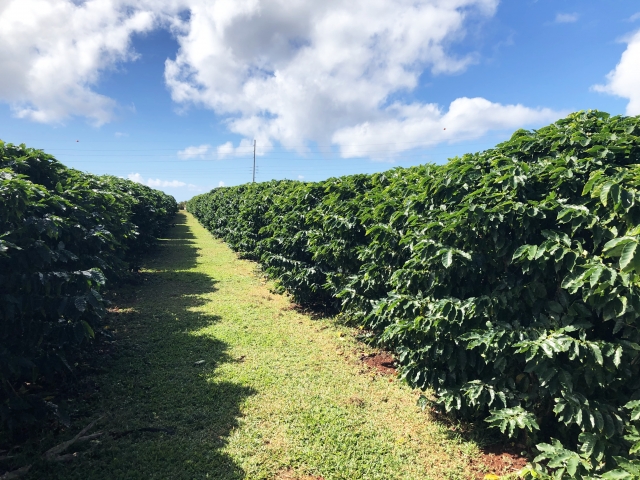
x: 63, y: 234
x: 506, y: 281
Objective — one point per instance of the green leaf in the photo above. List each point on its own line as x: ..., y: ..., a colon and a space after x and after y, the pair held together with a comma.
x: 617, y: 475
x: 597, y: 353
x: 521, y: 250
x: 614, y: 193
x: 627, y: 255
x: 88, y: 329
x: 595, y: 275
x: 589, y: 185
x: 613, y: 309
x: 604, y: 193
x: 609, y: 427
x: 572, y: 465
x: 447, y: 258
x: 617, y: 357
x: 630, y: 467
x: 613, y: 248
x: 599, y: 420
x: 588, y: 441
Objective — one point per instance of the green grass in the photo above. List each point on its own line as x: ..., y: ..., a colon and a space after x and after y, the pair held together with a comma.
x: 280, y: 395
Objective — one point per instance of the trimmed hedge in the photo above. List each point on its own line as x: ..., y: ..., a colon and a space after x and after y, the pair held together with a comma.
x: 506, y: 281
x: 63, y: 234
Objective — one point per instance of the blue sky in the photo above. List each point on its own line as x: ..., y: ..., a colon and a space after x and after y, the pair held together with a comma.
x: 172, y: 93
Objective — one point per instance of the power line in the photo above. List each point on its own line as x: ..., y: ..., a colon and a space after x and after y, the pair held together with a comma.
x: 248, y: 150
x: 288, y: 146
x: 296, y: 166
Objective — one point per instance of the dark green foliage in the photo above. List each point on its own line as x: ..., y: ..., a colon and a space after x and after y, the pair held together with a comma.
x: 63, y: 234
x: 507, y: 281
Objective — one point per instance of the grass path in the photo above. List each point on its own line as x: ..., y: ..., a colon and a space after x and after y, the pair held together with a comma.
x: 280, y: 395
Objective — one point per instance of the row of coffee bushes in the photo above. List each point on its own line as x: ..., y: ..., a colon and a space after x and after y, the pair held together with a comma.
x: 63, y: 235
x: 506, y: 281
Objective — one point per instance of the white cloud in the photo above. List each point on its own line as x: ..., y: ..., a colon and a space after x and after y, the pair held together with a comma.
x: 136, y: 177
x: 300, y: 177
x: 634, y: 17
x: 244, y: 148
x: 225, y: 150
x: 297, y: 70
x: 54, y: 51
x: 291, y: 71
x: 425, y: 125
x: 567, y: 17
x: 194, y: 152
x: 624, y: 80
x: 221, y: 184
x: 157, y: 183
x: 120, y: 134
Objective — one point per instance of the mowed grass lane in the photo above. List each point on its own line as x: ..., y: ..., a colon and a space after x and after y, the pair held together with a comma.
x: 279, y: 395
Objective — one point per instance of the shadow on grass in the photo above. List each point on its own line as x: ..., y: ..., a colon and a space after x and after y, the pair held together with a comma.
x: 167, y: 413
x: 184, y: 255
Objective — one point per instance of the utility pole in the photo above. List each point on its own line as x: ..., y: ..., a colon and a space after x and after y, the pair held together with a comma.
x: 254, y: 161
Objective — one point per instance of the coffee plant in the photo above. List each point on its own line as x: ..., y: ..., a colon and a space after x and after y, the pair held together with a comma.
x: 63, y: 235
x: 506, y: 281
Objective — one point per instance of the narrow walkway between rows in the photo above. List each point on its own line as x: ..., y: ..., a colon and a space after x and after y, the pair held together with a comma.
x: 213, y: 376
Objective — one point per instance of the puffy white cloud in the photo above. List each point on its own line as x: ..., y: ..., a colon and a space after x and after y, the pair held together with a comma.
x: 244, y: 148
x: 291, y: 71
x: 220, y: 183
x: 194, y: 152
x: 225, y: 150
x: 298, y: 70
x: 624, y: 80
x: 157, y: 183
x: 136, y: 177
x: 425, y: 125
x: 567, y: 17
x: 53, y: 52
